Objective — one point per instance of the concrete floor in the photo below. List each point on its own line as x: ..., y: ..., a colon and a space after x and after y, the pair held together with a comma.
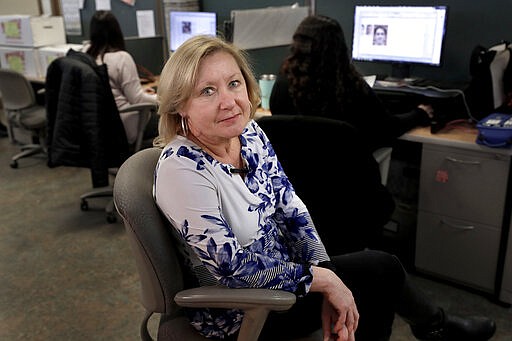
x: 66, y: 274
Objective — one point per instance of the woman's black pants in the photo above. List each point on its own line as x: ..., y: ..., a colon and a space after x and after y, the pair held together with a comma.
x: 376, y: 280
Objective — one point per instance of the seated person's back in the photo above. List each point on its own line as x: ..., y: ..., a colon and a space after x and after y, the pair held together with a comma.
x: 318, y: 78
x: 107, y: 46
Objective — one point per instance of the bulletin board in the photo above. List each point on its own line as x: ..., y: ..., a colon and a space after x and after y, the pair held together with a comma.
x: 266, y: 27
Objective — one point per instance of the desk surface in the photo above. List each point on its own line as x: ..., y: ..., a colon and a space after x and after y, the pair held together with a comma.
x: 461, y: 135
x: 36, y: 80
x: 456, y: 134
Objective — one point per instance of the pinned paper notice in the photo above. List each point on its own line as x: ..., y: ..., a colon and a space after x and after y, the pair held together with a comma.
x: 146, y: 23
x: 103, y: 5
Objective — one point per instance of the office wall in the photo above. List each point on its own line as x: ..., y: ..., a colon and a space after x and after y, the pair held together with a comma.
x: 469, y: 23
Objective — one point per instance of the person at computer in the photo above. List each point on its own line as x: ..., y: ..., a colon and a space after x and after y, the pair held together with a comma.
x: 380, y: 35
x: 220, y: 184
x: 318, y: 78
x: 107, y: 46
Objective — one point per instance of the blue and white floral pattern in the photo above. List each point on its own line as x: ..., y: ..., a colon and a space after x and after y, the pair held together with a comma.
x: 239, y: 232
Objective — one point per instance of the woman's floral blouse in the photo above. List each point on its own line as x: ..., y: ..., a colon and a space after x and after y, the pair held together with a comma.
x: 238, y: 231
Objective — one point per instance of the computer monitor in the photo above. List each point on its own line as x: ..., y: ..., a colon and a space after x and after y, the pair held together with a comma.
x: 184, y: 25
x: 402, y: 35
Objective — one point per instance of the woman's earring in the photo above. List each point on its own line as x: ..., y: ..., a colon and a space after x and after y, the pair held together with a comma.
x: 184, y: 126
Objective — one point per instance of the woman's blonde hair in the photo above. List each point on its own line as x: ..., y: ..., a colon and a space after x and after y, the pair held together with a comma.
x: 179, y: 76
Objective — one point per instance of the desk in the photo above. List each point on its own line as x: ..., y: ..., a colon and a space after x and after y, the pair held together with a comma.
x: 464, y: 207
x: 36, y: 80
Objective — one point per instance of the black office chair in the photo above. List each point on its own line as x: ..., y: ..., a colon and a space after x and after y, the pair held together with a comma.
x: 336, y: 176
x: 23, y: 112
x: 162, y: 286
x: 84, y: 123
x: 145, y: 111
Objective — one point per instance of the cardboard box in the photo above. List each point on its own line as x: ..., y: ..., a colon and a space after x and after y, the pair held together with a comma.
x: 48, y: 54
x: 23, y: 60
x: 31, y: 31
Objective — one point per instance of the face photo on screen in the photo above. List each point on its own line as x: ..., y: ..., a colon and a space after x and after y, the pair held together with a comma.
x: 186, y: 27
x: 380, y: 35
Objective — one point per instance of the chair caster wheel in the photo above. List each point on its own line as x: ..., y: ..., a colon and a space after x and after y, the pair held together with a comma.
x: 84, y: 205
x: 14, y: 164
x: 111, y: 218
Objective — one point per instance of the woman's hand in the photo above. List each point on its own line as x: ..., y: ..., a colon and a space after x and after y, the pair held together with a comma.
x: 332, y: 326
x: 339, y: 311
x: 149, y: 90
x: 428, y: 109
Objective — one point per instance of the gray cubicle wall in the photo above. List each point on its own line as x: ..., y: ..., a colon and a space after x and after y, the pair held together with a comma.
x: 470, y: 22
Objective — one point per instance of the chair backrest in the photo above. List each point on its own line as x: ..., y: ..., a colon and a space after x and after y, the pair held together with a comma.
x: 148, y: 232
x: 335, y: 175
x: 84, y: 125
x: 17, y: 92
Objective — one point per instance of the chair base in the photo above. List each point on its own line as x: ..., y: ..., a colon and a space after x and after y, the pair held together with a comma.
x: 100, y: 193
x: 26, y: 151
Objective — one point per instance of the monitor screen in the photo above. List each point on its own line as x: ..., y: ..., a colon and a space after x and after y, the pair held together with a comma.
x: 184, y: 25
x: 401, y: 34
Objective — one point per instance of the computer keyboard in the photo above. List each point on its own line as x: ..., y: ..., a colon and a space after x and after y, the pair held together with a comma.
x: 387, y: 84
x: 423, y: 82
x: 416, y: 82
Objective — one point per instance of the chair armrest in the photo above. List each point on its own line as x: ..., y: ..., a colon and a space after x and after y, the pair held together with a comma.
x: 229, y: 298
x: 383, y: 158
x: 256, y: 304
x: 138, y: 107
x: 145, y: 110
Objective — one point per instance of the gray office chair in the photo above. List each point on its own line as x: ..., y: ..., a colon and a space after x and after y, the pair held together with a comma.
x: 160, y: 271
x: 23, y: 112
x: 145, y: 111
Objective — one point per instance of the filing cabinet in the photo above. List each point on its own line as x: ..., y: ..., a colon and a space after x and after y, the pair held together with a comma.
x: 460, y: 215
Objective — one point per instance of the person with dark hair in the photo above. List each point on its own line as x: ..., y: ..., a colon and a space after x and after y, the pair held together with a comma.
x: 107, y: 46
x: 318, y: 78
x: 240, y: 223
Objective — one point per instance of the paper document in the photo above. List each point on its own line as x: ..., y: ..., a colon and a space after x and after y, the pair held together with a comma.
x: 370, y: 80
x: 146, y: 23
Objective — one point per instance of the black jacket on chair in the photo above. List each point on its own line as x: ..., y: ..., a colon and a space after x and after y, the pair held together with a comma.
x: 84, y: 126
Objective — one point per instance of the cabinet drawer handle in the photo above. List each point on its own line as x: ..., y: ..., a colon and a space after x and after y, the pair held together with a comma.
x: 456, y: 226
x: 452, y: 159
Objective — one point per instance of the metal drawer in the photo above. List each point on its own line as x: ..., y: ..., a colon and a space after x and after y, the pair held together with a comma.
x: 463, y: 184
x: 457, y: 250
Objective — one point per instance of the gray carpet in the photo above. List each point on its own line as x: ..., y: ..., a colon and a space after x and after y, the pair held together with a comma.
x: 66, y: 274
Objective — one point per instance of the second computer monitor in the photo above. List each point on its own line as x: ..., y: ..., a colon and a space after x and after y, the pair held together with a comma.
x: 184, y: 25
